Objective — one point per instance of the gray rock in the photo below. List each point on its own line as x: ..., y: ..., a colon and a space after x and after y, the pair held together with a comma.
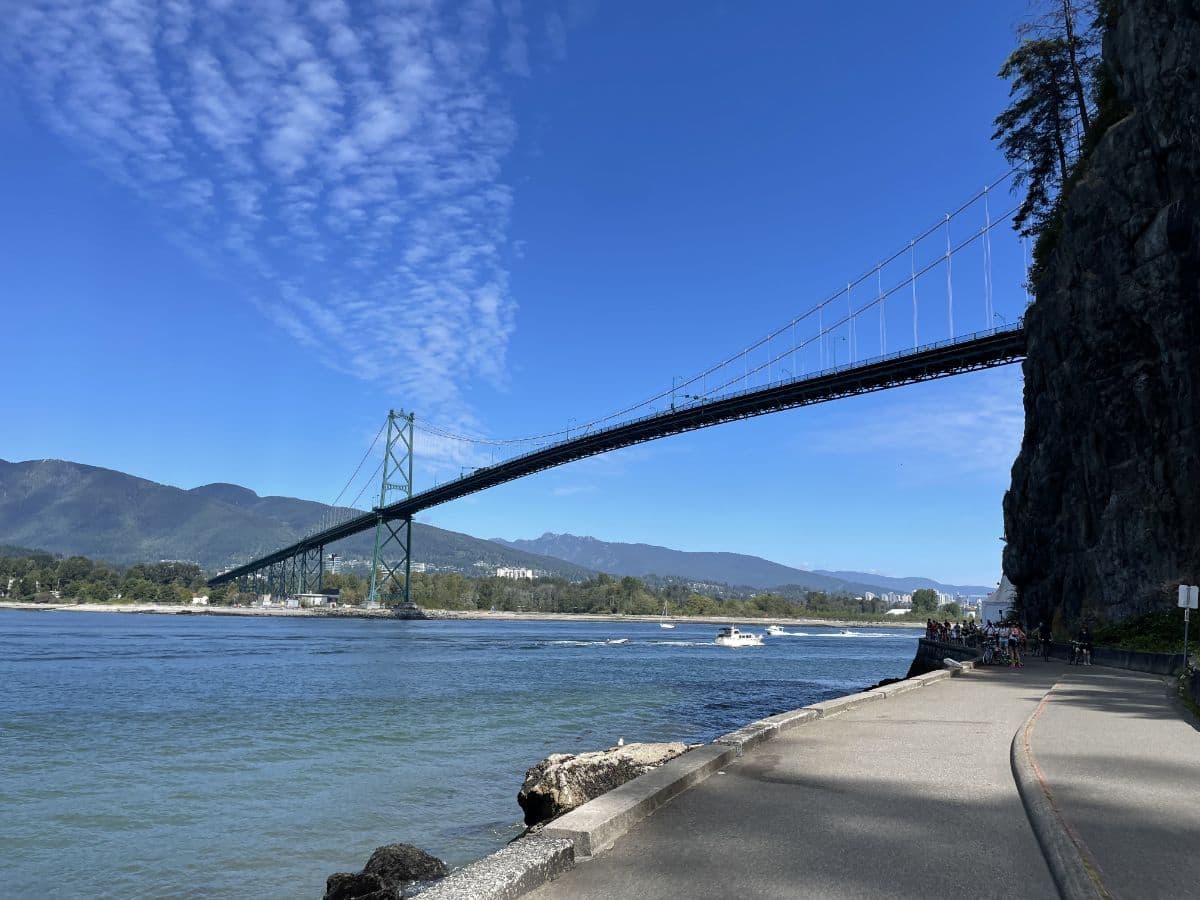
x: 358, y: 886
x: 1103, y: 516
x: 398, y: 864
x: 563, y: 781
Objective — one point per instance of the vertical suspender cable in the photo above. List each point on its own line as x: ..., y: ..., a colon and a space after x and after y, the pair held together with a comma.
x: 882, y: 320
x: 912, y: 257
x: 949, y: 278
x: 987, y: 261
x: 821, y: 337
x: 850, y: 325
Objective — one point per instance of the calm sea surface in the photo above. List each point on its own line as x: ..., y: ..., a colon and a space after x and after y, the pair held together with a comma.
x: 213, y: 756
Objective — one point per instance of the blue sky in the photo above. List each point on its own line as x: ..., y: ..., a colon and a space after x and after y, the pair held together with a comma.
x: 232, y: 239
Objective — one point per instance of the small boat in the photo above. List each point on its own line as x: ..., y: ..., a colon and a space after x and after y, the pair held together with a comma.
x: 616, y: 640
x: 662, y: 622
x: 731, y: 637
x: 775, y: 630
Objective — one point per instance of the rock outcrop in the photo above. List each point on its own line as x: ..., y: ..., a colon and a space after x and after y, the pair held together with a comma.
x: 563, y: 781
x: 357, y: 886
x: 398, y: 864
x: 1103, y: 516
x: 391, y: 869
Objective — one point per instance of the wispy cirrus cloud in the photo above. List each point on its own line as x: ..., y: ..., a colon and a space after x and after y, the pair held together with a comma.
x: 341, y: 161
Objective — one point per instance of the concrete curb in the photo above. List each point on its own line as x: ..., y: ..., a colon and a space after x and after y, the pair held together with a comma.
x: 1075, y: 879
x: 597, y: 824
x: 512, y: 872
x: 786, y: 721
x: 900, y: 687
x: 827, y: 708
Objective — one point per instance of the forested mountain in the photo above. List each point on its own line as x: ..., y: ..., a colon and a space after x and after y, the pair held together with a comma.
x: 641, y: 560
x: 70, y: 508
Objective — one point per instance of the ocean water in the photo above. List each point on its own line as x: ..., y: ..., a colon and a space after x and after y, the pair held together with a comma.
x: 215, y: 756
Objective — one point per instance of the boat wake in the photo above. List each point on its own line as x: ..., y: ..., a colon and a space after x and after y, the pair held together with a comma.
x: 837, y: 634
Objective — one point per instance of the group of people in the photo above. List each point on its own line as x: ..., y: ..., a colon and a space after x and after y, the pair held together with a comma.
x: 1006, y: 643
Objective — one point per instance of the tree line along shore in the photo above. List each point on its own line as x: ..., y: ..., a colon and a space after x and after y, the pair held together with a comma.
x: 44, y: 578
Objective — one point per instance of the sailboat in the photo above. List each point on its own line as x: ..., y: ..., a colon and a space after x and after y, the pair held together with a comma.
x: 662, y: 622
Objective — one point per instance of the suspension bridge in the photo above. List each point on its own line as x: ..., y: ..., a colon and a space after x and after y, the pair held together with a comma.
x: 794, y: 366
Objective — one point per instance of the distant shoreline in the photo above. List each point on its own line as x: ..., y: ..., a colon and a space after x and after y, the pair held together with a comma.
x: 432, y: 614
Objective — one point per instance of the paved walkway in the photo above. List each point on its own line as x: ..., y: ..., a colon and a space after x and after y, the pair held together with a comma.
x: 1123, y: 767
x: 915, y: 797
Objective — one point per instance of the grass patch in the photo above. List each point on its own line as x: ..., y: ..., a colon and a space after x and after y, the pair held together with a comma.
x: 1156, y: 632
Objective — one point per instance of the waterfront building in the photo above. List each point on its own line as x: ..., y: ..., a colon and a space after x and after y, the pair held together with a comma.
x: 514, y: 573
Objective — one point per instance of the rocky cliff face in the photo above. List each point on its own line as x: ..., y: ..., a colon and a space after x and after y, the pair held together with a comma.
x: 1103, y: 516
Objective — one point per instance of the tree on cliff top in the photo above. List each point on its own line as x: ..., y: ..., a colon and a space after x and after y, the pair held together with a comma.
x: 1052, y: 72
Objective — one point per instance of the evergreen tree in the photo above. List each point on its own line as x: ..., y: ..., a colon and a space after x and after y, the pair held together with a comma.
x: 1034, y: 130
x: 1053, y: 72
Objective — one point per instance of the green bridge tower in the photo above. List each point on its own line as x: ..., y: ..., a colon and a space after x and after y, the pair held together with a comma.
x: 391, y: 559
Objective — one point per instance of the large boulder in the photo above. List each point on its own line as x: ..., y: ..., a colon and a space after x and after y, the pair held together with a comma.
x: 398, y: 864
x: 357, y: 886
x: 563, y: 781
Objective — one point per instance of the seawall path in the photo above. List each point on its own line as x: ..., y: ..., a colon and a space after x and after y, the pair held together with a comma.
x: 1046, y: 781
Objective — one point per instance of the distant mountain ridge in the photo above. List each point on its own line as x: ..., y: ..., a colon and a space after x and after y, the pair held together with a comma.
x: 72, y: 508
x: 910, y: 583
x: 641, y: 560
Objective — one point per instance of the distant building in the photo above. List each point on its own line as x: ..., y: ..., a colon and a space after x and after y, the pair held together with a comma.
x: 307, y: 600
x: 200, y: 601
x: 514, y: 573
x: 897, y: 612
x: 418, y: 567
x: 999, y: 604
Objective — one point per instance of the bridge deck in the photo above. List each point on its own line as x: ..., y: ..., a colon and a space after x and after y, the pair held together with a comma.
x: 973, y: 352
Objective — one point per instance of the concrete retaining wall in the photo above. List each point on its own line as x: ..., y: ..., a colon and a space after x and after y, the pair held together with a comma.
x: 1133, y: 660
x: 931, y: 653
x: 1192, y: 686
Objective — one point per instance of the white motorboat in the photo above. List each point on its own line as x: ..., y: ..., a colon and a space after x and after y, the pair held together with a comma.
x: 731, y: 637
x: 775, y: 630
x: 617, y: 641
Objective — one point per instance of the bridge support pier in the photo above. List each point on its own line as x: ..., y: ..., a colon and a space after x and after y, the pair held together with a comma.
x: 393, y: 537
x: 312, y: 569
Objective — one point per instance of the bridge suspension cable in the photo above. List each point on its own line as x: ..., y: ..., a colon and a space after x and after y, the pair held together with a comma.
x: 697, y: 387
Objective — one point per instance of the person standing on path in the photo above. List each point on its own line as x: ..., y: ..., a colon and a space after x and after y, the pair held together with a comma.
x: 1085, y: 645
x: 1014, y: 647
